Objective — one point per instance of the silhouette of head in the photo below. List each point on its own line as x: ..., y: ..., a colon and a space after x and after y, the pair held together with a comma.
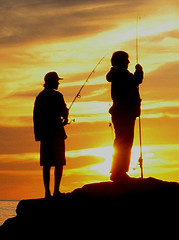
x: 51, y: 80
x: 120, y: 59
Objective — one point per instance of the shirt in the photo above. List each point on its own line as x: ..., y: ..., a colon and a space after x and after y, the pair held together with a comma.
x: 49, y: 110
x: 125, y: 91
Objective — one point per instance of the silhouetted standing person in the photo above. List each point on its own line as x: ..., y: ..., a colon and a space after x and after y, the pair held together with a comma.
x: 50, y: 116
x: 125, y: 109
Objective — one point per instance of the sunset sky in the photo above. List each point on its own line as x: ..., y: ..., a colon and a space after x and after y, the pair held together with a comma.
x: 70, y: 37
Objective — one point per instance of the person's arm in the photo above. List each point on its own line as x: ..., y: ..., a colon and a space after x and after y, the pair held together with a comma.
x: 111, y: 75
x: 64, y: 110
x: 36, y: 120
x: 138, y: 74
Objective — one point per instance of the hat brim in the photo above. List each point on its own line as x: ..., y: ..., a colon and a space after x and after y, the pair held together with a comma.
x: 60, y: 78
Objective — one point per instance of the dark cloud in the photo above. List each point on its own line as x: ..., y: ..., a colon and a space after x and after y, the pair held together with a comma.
x: 14, y: 140
x: 10, y: 163
x: 33, y: 21
x: 28, y: 21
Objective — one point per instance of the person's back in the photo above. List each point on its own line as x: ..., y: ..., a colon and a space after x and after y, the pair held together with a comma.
x: 124, y: 85
x: 49, y: 108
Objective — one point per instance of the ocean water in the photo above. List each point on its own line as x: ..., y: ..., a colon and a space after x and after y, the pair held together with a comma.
x: 7, y: 209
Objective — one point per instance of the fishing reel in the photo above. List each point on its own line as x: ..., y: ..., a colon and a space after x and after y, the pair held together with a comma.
x: 71, y: 121
x: 139, y: 163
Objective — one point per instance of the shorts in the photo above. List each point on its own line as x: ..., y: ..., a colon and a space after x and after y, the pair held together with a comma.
x: 52, y: 152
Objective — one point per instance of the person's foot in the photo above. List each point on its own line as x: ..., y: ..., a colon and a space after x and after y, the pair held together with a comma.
x: 48, y: 195
x: 58, y: 195
x: 119, y: 177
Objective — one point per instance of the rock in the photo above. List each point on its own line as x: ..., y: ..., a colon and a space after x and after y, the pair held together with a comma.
x: 108, y: 205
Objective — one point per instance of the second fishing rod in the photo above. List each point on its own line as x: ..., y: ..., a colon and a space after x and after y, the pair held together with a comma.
x: 78, y: 95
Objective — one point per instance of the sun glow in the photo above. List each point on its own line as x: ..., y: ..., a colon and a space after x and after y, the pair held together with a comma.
x: 106, y: 153
x: 154, y: 160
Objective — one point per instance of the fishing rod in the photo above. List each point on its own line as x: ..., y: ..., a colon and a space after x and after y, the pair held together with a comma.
x: 78, y: 95
x: 140, y: 160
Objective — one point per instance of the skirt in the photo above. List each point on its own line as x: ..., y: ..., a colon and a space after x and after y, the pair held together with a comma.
x: 52, y: 152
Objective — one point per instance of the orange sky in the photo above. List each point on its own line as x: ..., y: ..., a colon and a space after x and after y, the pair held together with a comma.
x: 70, y: 37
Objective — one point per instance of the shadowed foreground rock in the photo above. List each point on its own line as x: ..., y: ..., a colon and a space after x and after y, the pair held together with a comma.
x: 98, y: 208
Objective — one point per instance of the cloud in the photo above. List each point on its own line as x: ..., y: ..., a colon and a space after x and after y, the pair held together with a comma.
x: 46, y: 20
x: 162, y: 84
x: 14, y: 140
x: 19, y: 162
x: 30, y: 161
x: 18, y: 140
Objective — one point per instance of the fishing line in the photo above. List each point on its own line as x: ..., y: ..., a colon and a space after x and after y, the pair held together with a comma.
x: 78, y: 95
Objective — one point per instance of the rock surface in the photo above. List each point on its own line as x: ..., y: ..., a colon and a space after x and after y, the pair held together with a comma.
x: 98, y: 208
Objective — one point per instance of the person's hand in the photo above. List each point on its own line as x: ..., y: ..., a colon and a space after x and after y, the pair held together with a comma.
x: 138, y: 67
x: 65, y: 121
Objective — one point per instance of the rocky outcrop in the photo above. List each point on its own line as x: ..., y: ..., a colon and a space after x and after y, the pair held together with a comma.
x: 98, y: 208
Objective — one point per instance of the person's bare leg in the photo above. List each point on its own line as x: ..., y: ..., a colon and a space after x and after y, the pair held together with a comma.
x: 58, y: 177
x: 46, y: 179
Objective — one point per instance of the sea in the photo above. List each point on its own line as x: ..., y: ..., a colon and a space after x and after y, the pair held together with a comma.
x: 7, y: 209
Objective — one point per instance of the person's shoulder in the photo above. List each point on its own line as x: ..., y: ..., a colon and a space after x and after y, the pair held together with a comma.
x: 130, y: 75
x: 58, y: 96
x: 112, y: 74
x: 57, y: 93
x: 40, y: 94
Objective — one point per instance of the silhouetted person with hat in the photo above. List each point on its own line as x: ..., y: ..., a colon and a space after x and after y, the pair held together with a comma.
x: 50, y: 115
x: 125, y: 109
